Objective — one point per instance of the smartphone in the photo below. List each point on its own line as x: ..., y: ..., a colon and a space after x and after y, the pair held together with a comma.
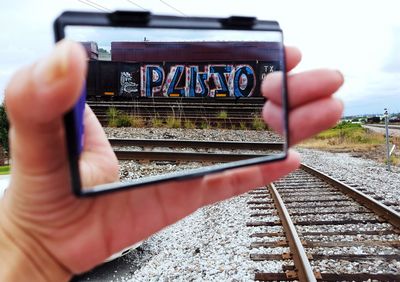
x: 187, y: 84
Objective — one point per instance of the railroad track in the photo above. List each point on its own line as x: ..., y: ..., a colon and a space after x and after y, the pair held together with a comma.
x: 238, y: 150
x: 194, y: 110
x: 199, y: 121
x: 321, y: 229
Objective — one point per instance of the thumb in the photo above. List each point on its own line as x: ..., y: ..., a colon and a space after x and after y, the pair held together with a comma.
x: 36, y: 99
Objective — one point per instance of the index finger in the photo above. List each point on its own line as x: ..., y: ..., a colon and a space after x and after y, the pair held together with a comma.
x: 293, y: 57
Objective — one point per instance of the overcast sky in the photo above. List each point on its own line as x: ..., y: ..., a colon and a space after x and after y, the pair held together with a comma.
x: 360, y: 38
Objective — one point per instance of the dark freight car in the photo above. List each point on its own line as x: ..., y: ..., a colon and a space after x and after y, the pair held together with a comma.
x: 183, y: 69
x: 92, y: 50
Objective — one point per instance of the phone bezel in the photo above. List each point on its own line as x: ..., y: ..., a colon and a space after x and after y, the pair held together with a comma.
x: 148, y: 20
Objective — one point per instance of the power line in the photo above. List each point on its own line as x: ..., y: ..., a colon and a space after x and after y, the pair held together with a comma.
x: 172, y: 7
x: 137, y: 5
x: 95, y: 5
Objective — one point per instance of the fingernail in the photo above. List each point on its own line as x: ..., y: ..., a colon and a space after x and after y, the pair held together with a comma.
x: 340, y: 74
x: 53, y: 67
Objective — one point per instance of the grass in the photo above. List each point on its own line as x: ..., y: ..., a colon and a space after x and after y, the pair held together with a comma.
x: 258, y: 123
x: 112, y: 114
x: 222, y: 115
x: 156, y: 122
x: 173, y: 122
x: 205, y: 124
x: 242, y: 125
x: 4, y: 170
x: 136, y: 121
x: 348, y: 137
x: 188, y: 124
x: 345, y: 136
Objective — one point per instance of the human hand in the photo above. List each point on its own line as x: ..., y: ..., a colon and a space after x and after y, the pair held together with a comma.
x: 52, y: 234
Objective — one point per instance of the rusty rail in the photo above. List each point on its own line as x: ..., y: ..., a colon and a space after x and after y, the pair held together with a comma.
x: 303, y: 266
x: 378, y: 208
x: 197, y: 144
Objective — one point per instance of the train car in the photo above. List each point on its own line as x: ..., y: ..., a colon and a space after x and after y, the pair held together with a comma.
x: 182, y: 69
x: 92, y: 50
x: 373, y: 120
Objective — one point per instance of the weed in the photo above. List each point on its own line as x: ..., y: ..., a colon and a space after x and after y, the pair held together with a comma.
x: 173, y: 122
x: 205, y: 125
x: 219, y: 125
x: 123, y: 120
x: 258, y: 123
x: 156, y: 122
x: 189, y: 124
x: 137, y: 121
x: 112, y: 114
x: 222, y: 115
x: 243, y: 125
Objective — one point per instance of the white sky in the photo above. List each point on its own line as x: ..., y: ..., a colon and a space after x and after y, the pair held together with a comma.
x: 360, y: 38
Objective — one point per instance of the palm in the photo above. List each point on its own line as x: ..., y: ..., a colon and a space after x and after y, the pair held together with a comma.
x: 80, y: 233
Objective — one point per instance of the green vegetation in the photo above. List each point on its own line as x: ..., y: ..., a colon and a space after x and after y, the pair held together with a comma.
x: 120, y: 119
x: 353, y: 138
x: 4, y: 170
x: 156, y: 122
x: 205, y: 124
x: 136, y: 121
x: 222, y: 115
x: 188, y: 124
x: 350, y: 133
x: 258, y: 123
x: 112, y: 114
x: 173, y: 122
x: 242, y: 125
x: 394, y: 160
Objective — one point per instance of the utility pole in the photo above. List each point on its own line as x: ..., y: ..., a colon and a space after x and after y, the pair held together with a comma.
x: 386, y: 115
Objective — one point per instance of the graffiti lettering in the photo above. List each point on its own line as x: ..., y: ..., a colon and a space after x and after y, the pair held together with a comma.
x: 244, y: 81
x: 173, y: 79
x: 196, y: 85
x: 127, y: 84
x: 201, y: 80
x: 221, y: 75
x: 153, y: 80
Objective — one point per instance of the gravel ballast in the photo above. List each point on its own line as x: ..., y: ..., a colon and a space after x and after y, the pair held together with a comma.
x: 367, y: 174
x: 213, y: 244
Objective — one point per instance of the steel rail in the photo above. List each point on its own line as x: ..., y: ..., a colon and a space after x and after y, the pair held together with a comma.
x: 301, y: 262
x: 191, y: 100
x: 196, y: 144
x: 182, y: 156
x: 378, y: 208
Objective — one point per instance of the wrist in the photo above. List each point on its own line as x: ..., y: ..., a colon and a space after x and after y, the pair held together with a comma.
x: 24, y: 258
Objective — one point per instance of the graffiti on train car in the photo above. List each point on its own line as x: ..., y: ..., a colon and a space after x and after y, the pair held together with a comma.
x: 202, y: 80
x: 125, y: 80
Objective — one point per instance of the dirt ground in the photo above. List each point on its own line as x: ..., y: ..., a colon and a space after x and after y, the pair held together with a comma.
x: 376, y: 153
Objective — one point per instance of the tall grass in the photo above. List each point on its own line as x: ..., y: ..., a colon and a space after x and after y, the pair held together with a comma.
x: 258, y: 123
x: 4, y: 170
x: 173, y: 122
